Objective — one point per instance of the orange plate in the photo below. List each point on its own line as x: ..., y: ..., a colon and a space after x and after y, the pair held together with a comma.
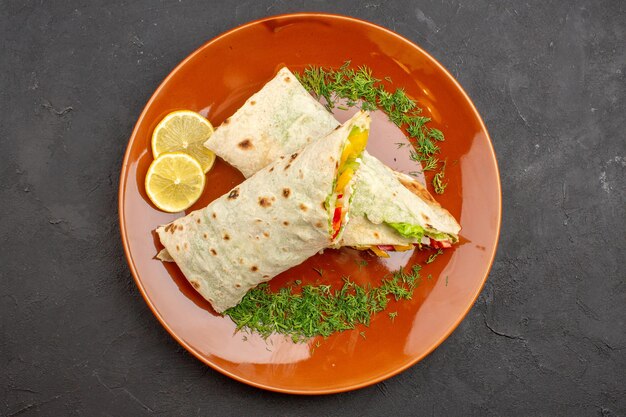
x: 215, y: 80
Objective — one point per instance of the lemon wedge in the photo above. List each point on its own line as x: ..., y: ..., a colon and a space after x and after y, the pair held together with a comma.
x: 174, y: 181
x: 184, y: 131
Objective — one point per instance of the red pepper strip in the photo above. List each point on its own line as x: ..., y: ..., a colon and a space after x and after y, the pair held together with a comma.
x: 436, y: 244
x: 336, y: 221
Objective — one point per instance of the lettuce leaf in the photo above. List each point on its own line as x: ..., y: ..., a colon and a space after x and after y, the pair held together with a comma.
x: 409, y: 230
x: 416, y: 231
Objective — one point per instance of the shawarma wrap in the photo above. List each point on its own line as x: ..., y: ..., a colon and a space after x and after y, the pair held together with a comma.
x: 394, y: 211
x: 276, y: 219
x: 277, y: 120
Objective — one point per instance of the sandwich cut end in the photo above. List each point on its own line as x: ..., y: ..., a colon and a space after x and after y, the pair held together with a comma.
x: 338, y: 202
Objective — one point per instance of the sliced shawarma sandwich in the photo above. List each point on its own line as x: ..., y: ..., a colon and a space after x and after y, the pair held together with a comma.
x: 395, y: 212
x: 392, y: 211
x: 296, y: 206
x: 279, y: 119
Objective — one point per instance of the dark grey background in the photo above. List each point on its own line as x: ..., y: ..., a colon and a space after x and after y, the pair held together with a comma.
x: 547, y: 335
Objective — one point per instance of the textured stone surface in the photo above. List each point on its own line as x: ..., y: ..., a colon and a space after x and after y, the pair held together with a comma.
x: 547, y: 335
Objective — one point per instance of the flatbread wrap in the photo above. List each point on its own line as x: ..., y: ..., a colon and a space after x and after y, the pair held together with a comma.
x: 394, y: 211
x: 279, y: 119
x: 276, y: 219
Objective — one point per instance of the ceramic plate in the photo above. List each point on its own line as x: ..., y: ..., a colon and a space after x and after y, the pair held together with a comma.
x: 215, y: 80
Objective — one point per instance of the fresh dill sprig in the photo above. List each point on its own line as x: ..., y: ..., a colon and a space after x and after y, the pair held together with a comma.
x: 427, y: 147
x: 393, y: 315
x: 432, y: 257
x: 361, y: 263
x: 319, y: 310
x: 430, y: 163
x: 435, y: 134
x: 438, y: 180
x: 360, y: 87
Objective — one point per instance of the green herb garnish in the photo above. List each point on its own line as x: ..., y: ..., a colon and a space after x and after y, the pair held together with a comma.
x: 429, y: 163
x: 359, y: 86
x: 393, y: 316
x: 319, y: 310
x: 438, y: 181
x: 432, y: 257
x: 361, y: 263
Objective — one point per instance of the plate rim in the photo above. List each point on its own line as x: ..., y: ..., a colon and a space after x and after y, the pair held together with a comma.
x: 125, y: 238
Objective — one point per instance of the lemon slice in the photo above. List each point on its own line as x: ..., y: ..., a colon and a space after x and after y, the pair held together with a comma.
x: 184, y: 131
x: 174, y: 181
